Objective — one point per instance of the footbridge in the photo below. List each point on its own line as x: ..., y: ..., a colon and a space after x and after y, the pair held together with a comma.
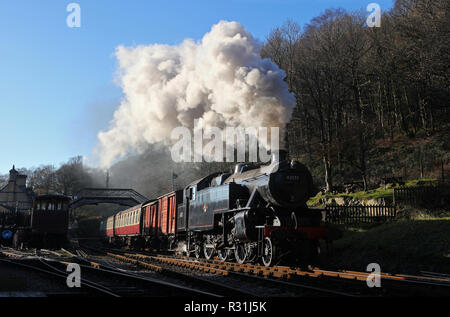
x: 95, y: 196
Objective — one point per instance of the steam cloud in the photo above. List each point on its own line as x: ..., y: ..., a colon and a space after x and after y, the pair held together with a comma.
x: 221, y: 80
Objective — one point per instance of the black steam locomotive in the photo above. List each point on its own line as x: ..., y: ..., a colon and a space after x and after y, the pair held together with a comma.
x: 257, y: 212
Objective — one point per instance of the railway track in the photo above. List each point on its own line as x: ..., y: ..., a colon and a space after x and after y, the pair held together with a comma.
x: 437, y: 279
x: 165, y: 263
x: 429, y: 283
x: 205, y: 287
x: 213, y: 278
x: 99, y: 280
x: 167, y: 271
x: 37, y: 267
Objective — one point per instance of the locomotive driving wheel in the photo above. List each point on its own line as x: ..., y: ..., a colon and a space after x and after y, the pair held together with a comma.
x: 223, y: 254
x: 209, y: 252
x: 240, y: 253
x: 197, y: 251
x: 268, y: 255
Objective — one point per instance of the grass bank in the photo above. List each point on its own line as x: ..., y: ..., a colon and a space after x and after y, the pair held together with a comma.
x: 403, y: 246
x: 378, y: 193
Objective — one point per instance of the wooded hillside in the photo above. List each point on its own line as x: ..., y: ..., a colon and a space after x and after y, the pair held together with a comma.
x: 361, y: 90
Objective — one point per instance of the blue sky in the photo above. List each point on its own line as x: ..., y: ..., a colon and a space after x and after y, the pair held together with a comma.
x: 57, y: 84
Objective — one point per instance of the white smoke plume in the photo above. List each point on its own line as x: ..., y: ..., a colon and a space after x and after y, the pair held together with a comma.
x: 221, y: 80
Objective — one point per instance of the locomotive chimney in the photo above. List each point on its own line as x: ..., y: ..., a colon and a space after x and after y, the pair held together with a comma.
x: 279, y: 156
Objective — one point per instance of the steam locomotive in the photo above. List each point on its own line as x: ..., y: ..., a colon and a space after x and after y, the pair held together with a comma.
x: 259, y: 212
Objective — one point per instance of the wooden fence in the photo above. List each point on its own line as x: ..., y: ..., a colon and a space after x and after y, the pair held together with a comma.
x: 359, y: 214
x: 428, y: 195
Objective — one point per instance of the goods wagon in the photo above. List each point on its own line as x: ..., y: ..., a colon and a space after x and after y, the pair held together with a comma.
x: 167, y: 208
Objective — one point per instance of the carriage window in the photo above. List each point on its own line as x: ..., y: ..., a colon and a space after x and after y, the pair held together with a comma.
x: 59, y: 205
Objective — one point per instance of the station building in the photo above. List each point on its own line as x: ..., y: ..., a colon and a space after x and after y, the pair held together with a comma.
x: 15, y: 196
